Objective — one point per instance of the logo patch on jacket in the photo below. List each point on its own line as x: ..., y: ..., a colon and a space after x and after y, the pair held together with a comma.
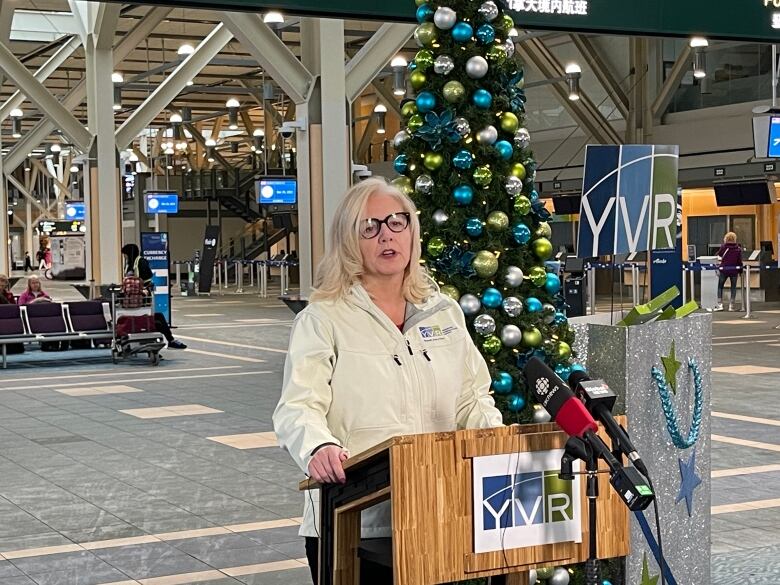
x: 431, y: 332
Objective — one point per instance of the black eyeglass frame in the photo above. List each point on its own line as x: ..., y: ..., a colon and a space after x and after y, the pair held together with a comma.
x: 385, y: 221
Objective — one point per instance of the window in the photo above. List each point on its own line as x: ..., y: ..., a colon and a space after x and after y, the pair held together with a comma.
x: 745, y: 228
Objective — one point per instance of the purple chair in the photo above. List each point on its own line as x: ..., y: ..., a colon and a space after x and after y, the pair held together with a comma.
x: 88, y: 317
x: 46, y: 319
x: 12, y: 329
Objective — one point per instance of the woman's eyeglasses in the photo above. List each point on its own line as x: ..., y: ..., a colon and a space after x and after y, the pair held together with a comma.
x: 395, y: 222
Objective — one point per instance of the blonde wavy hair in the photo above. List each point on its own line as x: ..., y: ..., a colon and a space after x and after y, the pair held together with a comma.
x: 730, y: 238
x: 342, y: 266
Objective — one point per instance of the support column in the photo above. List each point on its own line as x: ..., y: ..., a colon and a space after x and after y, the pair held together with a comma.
x: 28, y: 231
x: 104, y: 209
x: 5, y: 264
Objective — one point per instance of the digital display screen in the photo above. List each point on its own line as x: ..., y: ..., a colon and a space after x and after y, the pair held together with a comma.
x: 76, y: 211
x: 283, y: 191
x: 166, y: 203
x: 774, y: 137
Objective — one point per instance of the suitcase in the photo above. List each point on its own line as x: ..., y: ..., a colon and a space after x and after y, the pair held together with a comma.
x: 129, y: 324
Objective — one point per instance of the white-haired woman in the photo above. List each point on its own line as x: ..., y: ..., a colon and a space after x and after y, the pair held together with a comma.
x: 378, y: 352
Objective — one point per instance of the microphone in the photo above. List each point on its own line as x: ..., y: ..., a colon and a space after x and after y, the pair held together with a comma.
x: 599, y: 400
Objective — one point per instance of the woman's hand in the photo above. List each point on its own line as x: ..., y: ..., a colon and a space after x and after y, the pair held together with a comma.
x: 327, y: 465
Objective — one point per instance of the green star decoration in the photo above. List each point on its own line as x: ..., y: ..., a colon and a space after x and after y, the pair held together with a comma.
x: 671, y: 366
x: 646, y: 578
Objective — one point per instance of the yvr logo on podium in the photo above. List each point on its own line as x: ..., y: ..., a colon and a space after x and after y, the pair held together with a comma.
x: 526, y: 499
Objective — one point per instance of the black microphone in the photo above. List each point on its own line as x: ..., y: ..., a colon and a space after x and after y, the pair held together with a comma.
x: 599, y: 400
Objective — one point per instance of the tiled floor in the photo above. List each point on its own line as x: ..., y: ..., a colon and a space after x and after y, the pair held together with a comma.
x: 158, y: 476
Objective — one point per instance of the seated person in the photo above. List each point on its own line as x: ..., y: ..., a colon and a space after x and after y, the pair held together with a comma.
x: 34, y: 293
x: 6, y: 296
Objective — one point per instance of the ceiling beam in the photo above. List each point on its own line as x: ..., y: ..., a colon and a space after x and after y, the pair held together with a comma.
x: 380, y: 49
x: 681, y: 66
x: 202, y: 141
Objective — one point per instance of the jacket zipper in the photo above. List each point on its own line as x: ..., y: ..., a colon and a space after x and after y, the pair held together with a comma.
x: 409, y: 347
x: 425, y: 353
x: 397, y: 359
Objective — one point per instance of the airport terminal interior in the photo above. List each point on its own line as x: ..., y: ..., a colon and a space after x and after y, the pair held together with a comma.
x: 217, y: 145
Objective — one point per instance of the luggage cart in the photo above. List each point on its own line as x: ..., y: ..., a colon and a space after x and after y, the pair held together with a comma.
x: 132, y: 325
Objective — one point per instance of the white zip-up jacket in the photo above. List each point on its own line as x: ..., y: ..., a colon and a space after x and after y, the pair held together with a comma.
x: 353, y: 379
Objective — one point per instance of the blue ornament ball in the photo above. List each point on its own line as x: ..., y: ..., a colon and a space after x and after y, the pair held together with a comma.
x: 503, y: 384
x: 504, y: 149
x: 515, y: 402
x: 424, y: 13
x: 606, y: 582
x: 401, y: 163
x: 486, y: 34
x: 492, y: 298
x: 482, y: 98
x: 463, y: 195
x: 462, y: 160
x: 560, y: 318
x: 552, y: 284
x: 474, y: 227
x: 426, y: 101
x: 577, y: 368
x: 521, y: 233
x: 534, y: 196
x: 462, y: 32
x: 533, y: 305
x: 563, y: 371
x: 412, y: 66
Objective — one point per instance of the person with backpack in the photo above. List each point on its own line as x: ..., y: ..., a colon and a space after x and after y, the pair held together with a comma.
x: 730, y: 256
x: 138, y: 267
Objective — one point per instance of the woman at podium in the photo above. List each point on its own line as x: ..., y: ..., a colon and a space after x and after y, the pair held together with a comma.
x: 378, y: 352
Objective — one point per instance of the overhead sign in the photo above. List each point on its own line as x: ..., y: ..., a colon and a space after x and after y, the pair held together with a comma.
x: 162, y: 203
x: 629, y: 201
x: 76, y: 211
x: 774, y: 137
x: 754, y: 20
x: 519, y: 501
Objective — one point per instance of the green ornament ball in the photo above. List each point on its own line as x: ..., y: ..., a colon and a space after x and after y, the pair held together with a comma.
x: 522, y: 205
x: 409, y: 109
x: 424, y: 60
x: 496, y: 54
x: 485, y: 263
x: 532, y: 337
x: 537, y: 275
x: 544, y: 230
x: 483, y: 176
x: 433, y: 161
x: 492, y: 345
x: 450, y: 291
x: 418, y: 79
x: 435, y: 247
x: 545, y: 572
x: 543, y: 248
x: 420, y: 2
x: 426, y: 34
x: 454, y: 92
x: 509, y: 123
x: 518, y: 170
x: 505, y: 23
x: 415, y: 123
x: 403, y: 184
x: 563, y: 351
x: 497, y: 222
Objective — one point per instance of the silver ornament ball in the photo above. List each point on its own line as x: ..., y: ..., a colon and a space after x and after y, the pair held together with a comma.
x: 445, y: 18
x: 440, y: 217
x: 400, y: 138
x: 488, y: 11
x: 509, y: 47
x: 541, y: 415
x: 470, y: 304
x: 511, y: 335
x: 485, y: 325
x: 549, y: 313
x: 488, y: 135
x: 443, y: 65
x: 477, y: 67
x: 522, y: 138
x: 513, y: 306
x: 423, y: 184
x: 462, y: 126
x: 560, y: 577
x: 513, y: 186
x: 532, y: 577
x: 513, y: 276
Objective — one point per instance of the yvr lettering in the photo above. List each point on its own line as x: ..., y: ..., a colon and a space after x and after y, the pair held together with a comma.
x: 525, y: 499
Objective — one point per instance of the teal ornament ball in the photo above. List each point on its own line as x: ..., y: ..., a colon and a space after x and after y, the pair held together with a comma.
x: 502, y: 383
x: 483, y: 176
x: 485, y: 34
x: 462, y: 160
x: 577, y: 368
x: 515, y: 403
x: 560, y: 319
x: 553, y: 284
x: 426, y: 102
x: 425, y: 34
x: 563, y: 371
x: 537, y: 275
x: 401, y: 164
x: 522, y: 203
x: 435, y: 247
x: 543, y: 248
x: 424, y: 13
x: 497, y: 222
x: 534, y: 196
x: 462, y: 32
x: 463, y: 195
x: 521, y: 233
x: 486, y: 264
x: 482, y: 99
x: 453, y: 92
x: 532, y: 304
x: 492, y: 345
x: 474, y: 227
x: 492, y: 297
x: 504, y: 148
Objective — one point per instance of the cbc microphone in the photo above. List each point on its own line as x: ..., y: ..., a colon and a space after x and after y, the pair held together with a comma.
x: 599, y: 400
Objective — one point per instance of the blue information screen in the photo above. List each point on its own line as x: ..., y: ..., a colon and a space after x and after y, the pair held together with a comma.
x: 277, y: 191
x: 162, y: 203
x: 75, y: 211
x: 774, y: 137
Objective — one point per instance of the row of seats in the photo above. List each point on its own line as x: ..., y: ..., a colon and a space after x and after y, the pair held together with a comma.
x: 42, y: 322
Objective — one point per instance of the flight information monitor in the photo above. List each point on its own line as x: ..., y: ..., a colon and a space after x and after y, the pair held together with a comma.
x: 774, y: 137
x: 161, y: 203
x: 277, y: 191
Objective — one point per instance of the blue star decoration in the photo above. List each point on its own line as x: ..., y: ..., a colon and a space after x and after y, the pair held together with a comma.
x: 671, y: 366
x: 689, y: 482
x: 646, y: 578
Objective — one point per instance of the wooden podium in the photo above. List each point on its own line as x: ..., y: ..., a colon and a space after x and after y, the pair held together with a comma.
x: 428, y: 480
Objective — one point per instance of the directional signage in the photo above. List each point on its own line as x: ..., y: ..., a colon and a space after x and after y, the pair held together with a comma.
x: 774, y: 138
x: 162, y: 203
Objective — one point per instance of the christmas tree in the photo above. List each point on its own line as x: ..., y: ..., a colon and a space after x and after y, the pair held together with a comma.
x: 465, y: 159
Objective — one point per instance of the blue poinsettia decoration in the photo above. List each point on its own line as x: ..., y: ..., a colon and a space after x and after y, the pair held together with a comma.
x: 515, y: 91
x: 438, y: 128
x: 540, y: 210
x: 454, y: 262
